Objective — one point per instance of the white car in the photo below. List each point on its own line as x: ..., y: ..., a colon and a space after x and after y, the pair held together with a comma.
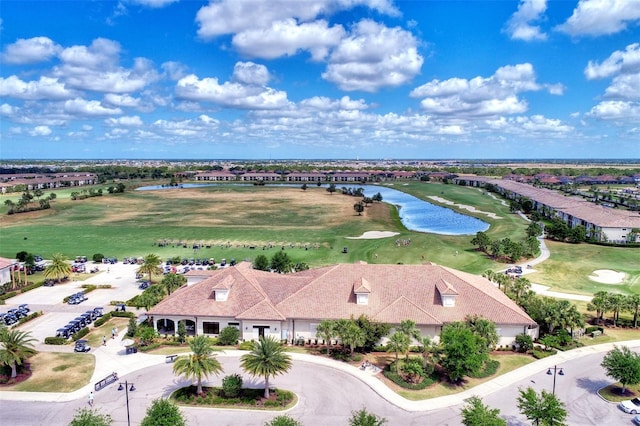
x: 630, y: 406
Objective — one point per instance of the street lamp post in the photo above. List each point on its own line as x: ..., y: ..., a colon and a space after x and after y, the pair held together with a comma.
x: 127, y: 388
x: 555, y: 371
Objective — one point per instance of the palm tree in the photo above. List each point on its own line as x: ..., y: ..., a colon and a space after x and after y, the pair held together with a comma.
x: 58, y: 268
x: 150, y: 265
x: 326, y: 330
x: 408, y: 327
x: 399, y: 342
x: 633, y: 306
x: 266, y: 359
x: 200, y: 363
x: 15, y: 346
x: 351, y: 334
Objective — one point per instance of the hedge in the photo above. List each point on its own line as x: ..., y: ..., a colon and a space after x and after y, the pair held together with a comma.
x: 539, y: 354
x: 106, y: 317
x: 32, y: 286
x: 489, y: 369
x: 390, y: 374
x: 52, y: 340
x: 80, y: 334
x: 29, y: 317
x: 8, y: 295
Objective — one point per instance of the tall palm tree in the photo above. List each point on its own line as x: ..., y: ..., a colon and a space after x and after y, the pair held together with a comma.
x: 266, y: 359
x: 200, y: 363
x: 15, y: 346
x: 58, y: 268
x: 326, y: 330
x: 151, y: 265
x: 351, y: 334
x: 398, y: 343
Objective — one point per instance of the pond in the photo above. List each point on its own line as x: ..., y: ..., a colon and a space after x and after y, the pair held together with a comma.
x: 415, y: 214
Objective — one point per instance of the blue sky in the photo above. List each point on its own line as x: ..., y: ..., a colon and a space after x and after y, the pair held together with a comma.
x: 296, y: 79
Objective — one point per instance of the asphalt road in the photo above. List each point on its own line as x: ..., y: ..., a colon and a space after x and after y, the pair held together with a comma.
x: 327, y: 397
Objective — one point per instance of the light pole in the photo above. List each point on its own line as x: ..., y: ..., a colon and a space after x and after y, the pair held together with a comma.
x: 555, y: 371
x: 126, y: 388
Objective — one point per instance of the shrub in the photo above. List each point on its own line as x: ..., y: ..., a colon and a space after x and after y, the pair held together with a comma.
x: 103, y: 319
x: 53, y: 340
x: 524, y: 342
x: 590, y: 330
x: 390, y: 373
x: 121, y: 314
x: 232, y: 385
x: 8, y: 295
x: 246, y: 346
x: 283, y: 420
x: 31, y: 286
x: 489, y: 369
x: 97, y: 258
x: 29, y: 317
x: 80, y: 334
x: 413, y: 369
x: 284, y: 397
x: 229, y: 336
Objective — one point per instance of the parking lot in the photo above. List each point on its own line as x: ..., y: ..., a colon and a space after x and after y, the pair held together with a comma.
x: 49, y: 300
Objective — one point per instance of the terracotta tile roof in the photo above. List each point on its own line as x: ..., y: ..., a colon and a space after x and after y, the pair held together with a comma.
x: 5, y: 263
x: 396, y: 293
x: 362, y: 286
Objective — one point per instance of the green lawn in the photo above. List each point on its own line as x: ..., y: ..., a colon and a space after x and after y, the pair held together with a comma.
x: 235, y: 218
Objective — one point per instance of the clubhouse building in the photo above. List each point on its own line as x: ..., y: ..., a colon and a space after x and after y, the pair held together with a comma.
x: 290, y: 306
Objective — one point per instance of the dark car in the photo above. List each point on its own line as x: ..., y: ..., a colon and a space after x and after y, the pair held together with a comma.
x: 24, y: 307
x: 144, y: 285
x: 98, y: 311
x: 120, y: 308
x: 82, y: 345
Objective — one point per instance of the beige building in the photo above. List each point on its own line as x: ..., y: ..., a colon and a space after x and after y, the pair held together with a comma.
x: 290, y: 306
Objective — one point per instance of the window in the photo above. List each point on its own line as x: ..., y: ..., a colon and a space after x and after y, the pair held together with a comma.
x: 211, y: 327
x: 234, y: 324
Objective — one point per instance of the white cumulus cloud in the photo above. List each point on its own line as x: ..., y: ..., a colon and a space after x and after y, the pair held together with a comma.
x: 230, y: 94
x: 372, y: 57
x: 481, y: 96
x: 44, y: 88
x: 40, y: 131
x: 519, y: 26
x: 601, y: 17
x: 32, y: 50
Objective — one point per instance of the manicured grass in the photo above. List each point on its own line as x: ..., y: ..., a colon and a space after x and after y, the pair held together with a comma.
x: 570, y: 265
x: 612, y: 392
x: 235, y: 218
x: 56, y: 372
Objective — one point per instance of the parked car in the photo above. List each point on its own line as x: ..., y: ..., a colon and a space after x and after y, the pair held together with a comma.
x: 82, y: 345
x: 120, y: 308
x: 630, y: 406
x: 24, y: 307
x: 144, y: 285
x: 98, y: 311
x: 64, y: 332
x: 636, y: 419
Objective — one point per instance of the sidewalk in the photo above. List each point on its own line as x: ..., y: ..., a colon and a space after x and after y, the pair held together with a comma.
x: 112, y: 358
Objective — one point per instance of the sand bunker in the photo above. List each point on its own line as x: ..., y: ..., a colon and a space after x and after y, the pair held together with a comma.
x: 372, y: 235
x: 464, y: 207
x: 607, y: 276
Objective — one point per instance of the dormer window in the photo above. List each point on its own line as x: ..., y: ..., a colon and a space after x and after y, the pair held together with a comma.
x: 447, y: 293
x: 220, y: 295
x: 221, y: 290
x: 362, y: 289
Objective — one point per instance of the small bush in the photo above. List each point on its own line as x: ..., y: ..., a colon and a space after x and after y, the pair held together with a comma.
x: 489, y: 369
x: 524, y: 342
x: 88, y: 288
x: 80, y: 334
x: 121, y: 314
x: 246, y: 346
x: 390, y: 373
x: 53, y: 340
x: 229, y: 336
x: 97, y: 257
x: 232, y: 385
x: 149, y: 347
x: 590, y: 330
